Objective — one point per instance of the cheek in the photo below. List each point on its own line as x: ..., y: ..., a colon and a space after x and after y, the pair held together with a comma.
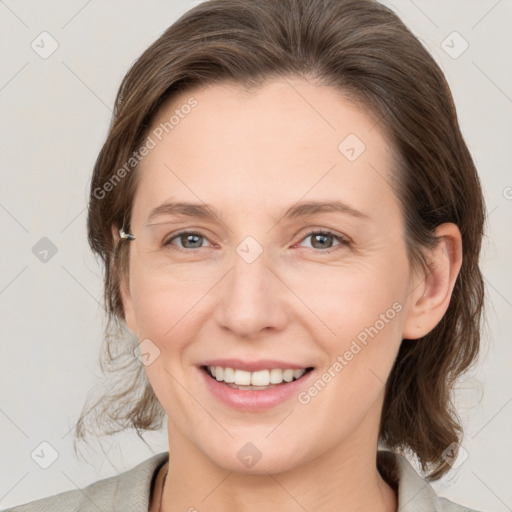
x: 359, y: 360
x: 162, y: 295
x: 357, y: 322
x: 366, y: 340
x: 340, y: 302
x: 336, y: 303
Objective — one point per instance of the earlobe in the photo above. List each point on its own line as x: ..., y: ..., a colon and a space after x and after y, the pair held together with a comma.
x: 431, y: 296
x: 129, y: 315
x: 115, y: 234
x: 124, y: 290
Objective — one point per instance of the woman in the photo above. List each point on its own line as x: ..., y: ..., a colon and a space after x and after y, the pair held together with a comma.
x: 290, y: 222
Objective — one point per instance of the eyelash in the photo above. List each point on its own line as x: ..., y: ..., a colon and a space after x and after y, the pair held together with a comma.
x: 343, y: 241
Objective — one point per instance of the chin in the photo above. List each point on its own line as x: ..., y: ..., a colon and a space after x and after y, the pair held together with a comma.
x: 263, y: 466
x: 251, y: 458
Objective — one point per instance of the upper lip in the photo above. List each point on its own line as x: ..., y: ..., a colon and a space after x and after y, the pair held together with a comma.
x: 253, y: 366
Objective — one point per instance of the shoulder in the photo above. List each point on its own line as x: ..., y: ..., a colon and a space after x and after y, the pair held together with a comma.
x: 414, y: 493
x: 129, y: 490
x: 450, y: 506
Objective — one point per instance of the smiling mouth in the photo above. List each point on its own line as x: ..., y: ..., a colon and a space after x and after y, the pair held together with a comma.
x: 259, y: 380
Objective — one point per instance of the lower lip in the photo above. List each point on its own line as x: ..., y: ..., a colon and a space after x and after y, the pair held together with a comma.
x: 254, y: 400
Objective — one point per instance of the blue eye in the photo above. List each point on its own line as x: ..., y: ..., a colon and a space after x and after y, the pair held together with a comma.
x: 323, y: 237
x: 190, y: 240
x: 187, y: 237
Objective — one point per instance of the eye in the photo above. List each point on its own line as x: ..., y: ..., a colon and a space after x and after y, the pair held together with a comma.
x: 322, y: 240
x: 187, y: 239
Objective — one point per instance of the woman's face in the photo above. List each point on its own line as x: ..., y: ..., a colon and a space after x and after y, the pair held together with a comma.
x: 322, y: 288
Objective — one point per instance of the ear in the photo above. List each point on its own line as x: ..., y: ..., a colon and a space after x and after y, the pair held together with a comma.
x: 126, y: 296
x: 430, y: 296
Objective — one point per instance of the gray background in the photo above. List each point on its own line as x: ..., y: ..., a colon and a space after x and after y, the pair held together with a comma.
x: 55, y: 113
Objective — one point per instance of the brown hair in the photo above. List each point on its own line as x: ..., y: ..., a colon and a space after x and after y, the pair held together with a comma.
x: 364, y: 51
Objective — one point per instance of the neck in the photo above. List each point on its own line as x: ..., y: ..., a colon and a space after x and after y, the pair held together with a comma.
x: 343, y: 479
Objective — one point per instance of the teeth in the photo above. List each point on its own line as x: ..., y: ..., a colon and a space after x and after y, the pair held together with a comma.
x: 229, y: 375
x: 242, y: 378
x: 288, y: 375
x: 259, y: 378
x: 297, y: 374
x: 276, y: 376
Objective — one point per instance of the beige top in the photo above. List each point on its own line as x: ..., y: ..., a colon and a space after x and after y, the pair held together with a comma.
x: 130, y: 491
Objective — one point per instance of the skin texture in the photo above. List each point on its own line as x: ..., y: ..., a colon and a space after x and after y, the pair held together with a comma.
x: 251, y: 155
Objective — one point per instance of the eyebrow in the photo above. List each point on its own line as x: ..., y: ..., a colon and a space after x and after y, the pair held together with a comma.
x: 301, y: 209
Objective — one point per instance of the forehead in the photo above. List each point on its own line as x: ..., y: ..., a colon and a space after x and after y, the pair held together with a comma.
x: 271, y: 145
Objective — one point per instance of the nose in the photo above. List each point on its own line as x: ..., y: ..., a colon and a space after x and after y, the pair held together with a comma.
x: 253, y: 300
